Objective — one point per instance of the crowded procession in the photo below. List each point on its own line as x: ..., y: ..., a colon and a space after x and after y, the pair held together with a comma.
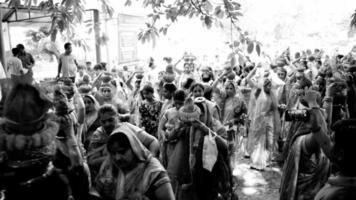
x: 179, y: 127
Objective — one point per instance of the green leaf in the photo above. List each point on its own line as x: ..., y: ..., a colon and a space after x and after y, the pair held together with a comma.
x: 250, y: 47
x: 208, y: 22
x: 128, y: 3
x: 236, y: 43
x: 219, y: 12
x: 233, y: 61
x: 208, y: 7
x: 241, y: 60
x: 258, y: 49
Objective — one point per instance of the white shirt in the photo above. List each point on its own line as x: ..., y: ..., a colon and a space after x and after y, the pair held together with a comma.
x: 69, y: 68
x: 14, y: 66
x: 2, y: 72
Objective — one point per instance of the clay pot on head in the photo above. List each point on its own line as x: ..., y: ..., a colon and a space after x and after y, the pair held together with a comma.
x: 139, y: 75
x: 231, y: 75
x: 168, y: 77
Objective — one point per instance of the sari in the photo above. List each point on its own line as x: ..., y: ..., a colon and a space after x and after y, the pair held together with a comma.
x: 261, y: 135
x: 91, y: 123
x: 233, y: 111
x: 113, y: 183
x: 304, y: 173
x: 190, y: 181
x: 149, y: 116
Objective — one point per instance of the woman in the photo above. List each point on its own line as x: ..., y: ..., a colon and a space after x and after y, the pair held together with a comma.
x: 198, y: 90
x: 91, y: 121
x: 27, y: 148
x: 167, y: 125
x: 233, y: 112
x: 149, y: 110
x: 265, y: 125
x: 131, y: 172
x: 190, y: 179
x: 306, y: 168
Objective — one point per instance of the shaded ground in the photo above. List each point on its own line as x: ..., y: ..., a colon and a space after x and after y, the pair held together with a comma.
x: 257, y: 185
x: 254, y: 184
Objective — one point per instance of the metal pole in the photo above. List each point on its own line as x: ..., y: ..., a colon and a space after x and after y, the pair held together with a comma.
x: 2, y: 45
x: 97, y: 35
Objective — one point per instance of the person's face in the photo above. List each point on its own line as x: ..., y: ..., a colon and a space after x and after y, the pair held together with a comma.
x: 191, y: 67
x: 266, y: 73
x: 267, y: 87
x: 137, y: 85
x: 106, y: 92
x: 166, y: 94
x: 230, y: 90
x: 186, y: 68
x: 89, y: 105
x: 178, y: 104
x: 198, y: 92
x: 108, y: 122
x: 122, y: 158
x: 147, y: 95
x: 281, y: 75
x: 299, y: 76
x: 69, y: 49
x: 205, y: 72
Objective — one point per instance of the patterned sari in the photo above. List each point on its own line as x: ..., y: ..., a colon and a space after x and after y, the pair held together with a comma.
x: 304, y: 173
x: 113, y: 183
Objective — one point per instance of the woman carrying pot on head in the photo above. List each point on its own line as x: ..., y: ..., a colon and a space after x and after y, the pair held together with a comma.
x: 233, y: 112
x: 191, y: 178
x: 265, y: 124
x: 130, y: 171
x: 27, y: 148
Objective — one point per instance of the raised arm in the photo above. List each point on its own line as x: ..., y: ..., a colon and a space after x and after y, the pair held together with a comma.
x: 128, y: 82
x: 249, y: 78
x: 218, y: 79
x: 59, y: 67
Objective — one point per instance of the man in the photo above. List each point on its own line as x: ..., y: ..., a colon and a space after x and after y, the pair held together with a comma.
x: 27, y: 59
x: 14, y: 66
x: 67, y: 65
x: 109, y: 119
x: 342, y: 186
x: 27, y: 62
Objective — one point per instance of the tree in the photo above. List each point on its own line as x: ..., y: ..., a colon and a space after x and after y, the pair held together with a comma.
x: 66, y: 14
x: 210, y: 13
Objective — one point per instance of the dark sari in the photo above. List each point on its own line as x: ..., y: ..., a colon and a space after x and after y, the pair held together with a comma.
x: 304, y: 173
x: 190, y: 180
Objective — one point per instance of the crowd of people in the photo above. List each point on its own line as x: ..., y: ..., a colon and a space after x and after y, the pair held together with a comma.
x: 134, y: 133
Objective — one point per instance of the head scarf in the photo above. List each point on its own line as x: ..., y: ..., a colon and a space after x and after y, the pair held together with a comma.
x: 92, y: 98
x: 137, y: 147
x: 136, y: 180
x: 236, y: 87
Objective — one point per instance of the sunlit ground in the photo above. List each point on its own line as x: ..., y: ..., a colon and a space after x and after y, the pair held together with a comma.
x: 257, y: 185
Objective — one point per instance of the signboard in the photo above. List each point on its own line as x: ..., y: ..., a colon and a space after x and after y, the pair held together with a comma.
x: 128, y: 28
